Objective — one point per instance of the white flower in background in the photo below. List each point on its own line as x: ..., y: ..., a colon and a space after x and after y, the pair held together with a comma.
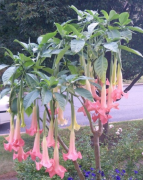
x: 111, y: 126
x: 120, y: 130
x: 118, y: 133
x: 142, y: 153
x: 96, y: 128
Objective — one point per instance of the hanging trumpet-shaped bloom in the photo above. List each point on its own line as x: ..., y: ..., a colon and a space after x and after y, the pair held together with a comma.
x: 21, y: 155
x: 61, y: 119
x: 56, y: 111
x: 10, y: 138
x: 76, y: 126
x: 45, y: 161
x: 50, y: 137
x: 56, y: 167
x: 110, y: 103
x: 33, y: 128
x: 72, y: 153
x: 118, y: 93
x: 18, y: 141
x: 36, y: 149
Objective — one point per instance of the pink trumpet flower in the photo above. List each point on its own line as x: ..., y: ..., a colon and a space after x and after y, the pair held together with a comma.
x: 118, y: 93
x: 50, y: 137
x: 72, y: 154
x: 56, y: 168
x: 21, y: 155
x: 10, y: 138
x: 33, y: 128
x: 45, y: 161
x: 93, y: 90
x: 36, y: 149
x: 103, y: 97
x: 61, y: 119
x: 56, y: 111
x: 110, y: 103
x: 18, y: 141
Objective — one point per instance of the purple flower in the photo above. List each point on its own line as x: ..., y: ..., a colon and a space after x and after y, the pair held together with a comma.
x: 70, y: 178
x: 92, y: 169
x: 93, y: 174
x: 130, y: 178
x: 88, y: 172
x: 117, y: 171
x: 123, y: 171
x: 80, y: 166
x: 136, y: 172
x: 118, y: 178
x: 86, y: 175
x: 102, y: 174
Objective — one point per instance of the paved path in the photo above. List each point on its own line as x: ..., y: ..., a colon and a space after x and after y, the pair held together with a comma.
x: 131, y: 108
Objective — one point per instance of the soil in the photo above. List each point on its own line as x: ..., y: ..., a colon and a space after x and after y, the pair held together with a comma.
x: 9, y: 176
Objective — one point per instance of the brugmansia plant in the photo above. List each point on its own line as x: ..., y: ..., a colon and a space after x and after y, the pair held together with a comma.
x: 86, y: 64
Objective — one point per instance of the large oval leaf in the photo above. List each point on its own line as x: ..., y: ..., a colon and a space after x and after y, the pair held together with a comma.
x: 61, y: 100
x: 8, y: 73
x: 100, y: 67
x: 2, y: 66
x: 29, y: 98
x: 84, y: 93
x: 31, y: 80
x: 46, y: 95
x: 130, y: 50
x: 77, y: 45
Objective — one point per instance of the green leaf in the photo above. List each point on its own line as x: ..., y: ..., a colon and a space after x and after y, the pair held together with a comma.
x: 100, y: 67
x: 61, y: 54
x: 84, y: 93
x: 4, y: 92
x: 61, y: 100
x: 31, y: 80
x: 60, y: 29
x: 80, y: 13
x: 46, y: 53
x: 113, y: 15
x: 135, y: 28
x: 96, y: 85
x: 113, y: 34
x: 75, y: 31
x: 30, y: 98
x: 112, y: 46
x: 91, y: 27
x: 53, y: 82
x: 62, y: 73
x: 71, y: 77
x: 47, y: 36
x: 77, y: 45
x: 105, y: 14
x: 130, y: 50
x: 123, y: 17
x: 46, y: 95
x: 126, y: 34
x: 48, y: 70
x: 8, y: 74
x: 22, y: 44
x: 2, y: 66
x: 73, y: 69
x: 29, y: 111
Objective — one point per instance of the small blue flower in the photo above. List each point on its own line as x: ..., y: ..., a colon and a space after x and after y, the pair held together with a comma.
x: 102, y: 174
x: 122, y: 174
x: 130, y: 178
x: 84, y: 171
x: 70, y: 178
x: 118, y: 178
x: 80, y: 166
x: 93, y: 174
x: 123, y: 171
x: 88, y: 172
x: 136, y: 172
x: 92, y: 169
x: 117, y: 171
x: 86, y: 175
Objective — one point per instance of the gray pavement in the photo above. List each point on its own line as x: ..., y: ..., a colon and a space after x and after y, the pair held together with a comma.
x: 129, y: 109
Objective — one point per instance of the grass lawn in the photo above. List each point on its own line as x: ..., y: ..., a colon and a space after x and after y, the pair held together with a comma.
x: 124, y: 151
